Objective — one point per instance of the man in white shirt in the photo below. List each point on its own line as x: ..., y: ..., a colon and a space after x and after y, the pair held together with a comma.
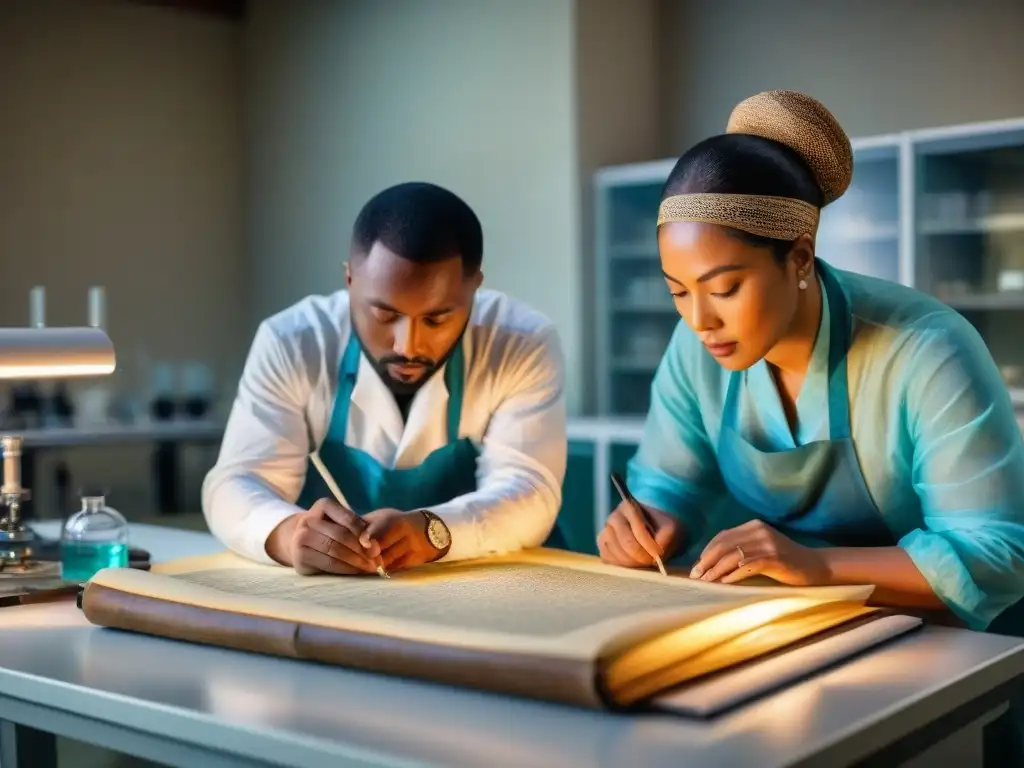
x: 436, y: 406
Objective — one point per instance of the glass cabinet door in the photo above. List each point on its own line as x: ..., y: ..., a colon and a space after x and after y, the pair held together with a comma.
x: 859, y: 232
x: 969, y: 235
x: 639, y: 315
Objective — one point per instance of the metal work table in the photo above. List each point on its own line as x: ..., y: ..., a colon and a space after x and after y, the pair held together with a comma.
x: 189, y: 705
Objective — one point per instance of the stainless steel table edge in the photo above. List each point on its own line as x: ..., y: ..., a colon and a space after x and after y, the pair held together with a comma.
x: 149, y: 730
x: 978, y: 692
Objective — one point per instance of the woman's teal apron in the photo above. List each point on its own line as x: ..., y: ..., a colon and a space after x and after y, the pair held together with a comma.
x: 817, y: 496
x: 815, y: 493
x: 448, y: 472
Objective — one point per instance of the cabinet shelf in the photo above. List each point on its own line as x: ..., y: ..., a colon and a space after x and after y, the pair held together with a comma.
x: 638, y: 365
x: 645, y: 251
x: 860, y: 235
x: 1004, y: 222
x: 633, y: 308
x: 1010, y: 300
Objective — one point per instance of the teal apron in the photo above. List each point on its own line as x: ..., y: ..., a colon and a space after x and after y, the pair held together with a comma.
x: 448, y: 472
x: 815, y: 493
x: 817, y: 496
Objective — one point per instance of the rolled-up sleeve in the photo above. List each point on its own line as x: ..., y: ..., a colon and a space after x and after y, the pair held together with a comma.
x: 968, y: 470
x: 263, y: 456
x: 675, y: 468
x: 522, y: 458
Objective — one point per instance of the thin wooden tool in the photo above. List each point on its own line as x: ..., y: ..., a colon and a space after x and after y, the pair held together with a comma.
x: 338, y: 495
x: 627, y: 497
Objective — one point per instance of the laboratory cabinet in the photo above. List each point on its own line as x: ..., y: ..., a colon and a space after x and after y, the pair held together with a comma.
x: 941, y: 210
x: 968, y: 235
x: 575, y: 528
x: 597, y: 447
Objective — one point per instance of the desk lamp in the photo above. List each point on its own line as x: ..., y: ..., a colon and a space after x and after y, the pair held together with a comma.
x: 38, y: 352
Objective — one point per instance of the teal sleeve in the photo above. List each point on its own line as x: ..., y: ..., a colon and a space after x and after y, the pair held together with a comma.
x: 675, y: 468
x: 968, y: 471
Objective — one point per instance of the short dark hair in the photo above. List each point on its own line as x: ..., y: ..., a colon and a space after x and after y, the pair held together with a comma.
x: 420, y: 222
x: 742, y: 164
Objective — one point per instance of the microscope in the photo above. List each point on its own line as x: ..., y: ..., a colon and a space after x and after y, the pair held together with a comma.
x: 16, y: 539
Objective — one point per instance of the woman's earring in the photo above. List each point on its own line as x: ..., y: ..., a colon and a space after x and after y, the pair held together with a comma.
x: 802, y: 285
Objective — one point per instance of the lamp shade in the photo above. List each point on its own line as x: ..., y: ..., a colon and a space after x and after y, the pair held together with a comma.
x: 55, y: 353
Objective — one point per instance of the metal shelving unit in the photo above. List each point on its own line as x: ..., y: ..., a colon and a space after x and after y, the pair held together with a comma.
x: 860, y: 232
x: 635, y: 314
x: 969, y: 232
x: 939, y: 209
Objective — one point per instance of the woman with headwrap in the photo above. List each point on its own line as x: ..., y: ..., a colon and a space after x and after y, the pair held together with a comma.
x: 808, y: 424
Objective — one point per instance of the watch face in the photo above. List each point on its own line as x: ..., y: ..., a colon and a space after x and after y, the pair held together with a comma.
x: 438, y: 534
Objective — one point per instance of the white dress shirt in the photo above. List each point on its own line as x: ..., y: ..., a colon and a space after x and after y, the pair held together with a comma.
x: 513, y: 409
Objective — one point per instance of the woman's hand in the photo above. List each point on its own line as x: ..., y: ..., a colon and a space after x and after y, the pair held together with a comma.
x: 626, y: 539
x: 755, y: 548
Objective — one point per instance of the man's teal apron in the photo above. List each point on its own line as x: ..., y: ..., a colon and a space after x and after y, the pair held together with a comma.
x: 448, y: 472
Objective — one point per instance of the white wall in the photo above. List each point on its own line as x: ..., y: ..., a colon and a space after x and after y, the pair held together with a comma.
x: 121, y: 165
x: 879, y: 65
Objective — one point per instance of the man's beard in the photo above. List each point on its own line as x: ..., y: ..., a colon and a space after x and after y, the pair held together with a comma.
x: 397, y: 386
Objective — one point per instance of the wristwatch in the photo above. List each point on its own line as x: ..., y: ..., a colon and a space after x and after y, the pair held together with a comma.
x: 438, y: 535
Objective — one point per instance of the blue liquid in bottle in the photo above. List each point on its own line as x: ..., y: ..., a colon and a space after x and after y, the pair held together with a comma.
x: 94, y: 538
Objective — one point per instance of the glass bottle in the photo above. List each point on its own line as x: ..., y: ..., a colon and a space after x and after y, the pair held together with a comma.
x: 94, y: 537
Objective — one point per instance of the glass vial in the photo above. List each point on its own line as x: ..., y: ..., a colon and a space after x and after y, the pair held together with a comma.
x: 94, y: 537
x: 98, y: 307
x: 37, y: 307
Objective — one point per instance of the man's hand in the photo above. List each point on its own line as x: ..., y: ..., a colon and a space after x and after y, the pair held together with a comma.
x: 402, y: 538
x: 755, y: 548
x: 326, y: 539
x: 625, y: 539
